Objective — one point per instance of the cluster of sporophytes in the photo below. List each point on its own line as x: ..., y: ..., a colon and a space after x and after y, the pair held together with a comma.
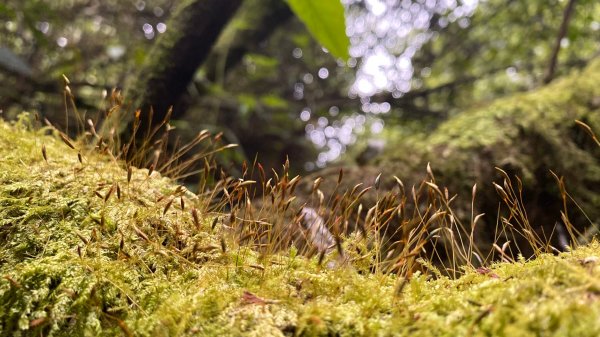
x: 91, y: 245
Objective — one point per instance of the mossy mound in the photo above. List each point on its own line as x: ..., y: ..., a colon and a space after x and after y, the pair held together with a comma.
x: 533, y: 136
x: 528, y: 135
x: 80, y: 256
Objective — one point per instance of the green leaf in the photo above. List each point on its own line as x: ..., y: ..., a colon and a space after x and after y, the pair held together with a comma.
x: 274, y: 101
x: 324, y: 19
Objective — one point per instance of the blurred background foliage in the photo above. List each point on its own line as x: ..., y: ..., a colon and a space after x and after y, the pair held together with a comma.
x: 268, y: 86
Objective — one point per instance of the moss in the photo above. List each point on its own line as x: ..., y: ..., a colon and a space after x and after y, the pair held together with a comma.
x: 531, y: 135
x: 528, y: 130
x: 550, y: 108
x: 77, y: 261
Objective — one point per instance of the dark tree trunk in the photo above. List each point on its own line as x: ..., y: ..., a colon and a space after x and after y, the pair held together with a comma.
x: 562, y: 32
x: 192, y: 31
x: 259, y: 19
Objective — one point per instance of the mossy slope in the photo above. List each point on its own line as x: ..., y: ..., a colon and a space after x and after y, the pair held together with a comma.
x: 76, y: 260
x: 529, y: 135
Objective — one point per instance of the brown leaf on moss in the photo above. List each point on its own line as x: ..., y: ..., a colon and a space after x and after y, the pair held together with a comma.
x: 250, y: 298
x: 486, y: 271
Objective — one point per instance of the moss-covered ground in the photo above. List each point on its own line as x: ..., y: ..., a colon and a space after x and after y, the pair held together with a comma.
x: 87, y: 251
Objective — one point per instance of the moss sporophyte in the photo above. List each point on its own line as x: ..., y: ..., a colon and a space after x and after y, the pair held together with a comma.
x: 90, y: 245
x: 75, y: 264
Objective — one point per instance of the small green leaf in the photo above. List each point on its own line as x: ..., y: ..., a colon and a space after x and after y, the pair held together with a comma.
x: 274, y: 101
x: 324, y: 19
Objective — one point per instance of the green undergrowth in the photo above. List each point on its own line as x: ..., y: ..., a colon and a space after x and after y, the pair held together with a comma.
x: 85, y: 251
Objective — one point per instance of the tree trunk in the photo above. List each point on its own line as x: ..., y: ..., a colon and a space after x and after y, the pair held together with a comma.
x: 258, y: 19
x: 192, y: 30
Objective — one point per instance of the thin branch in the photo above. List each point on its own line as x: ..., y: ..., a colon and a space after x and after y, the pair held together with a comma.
x: 562, y: 32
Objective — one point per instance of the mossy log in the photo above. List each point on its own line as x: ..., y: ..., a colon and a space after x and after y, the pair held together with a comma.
x: 532, y: 136
x: 87, y: 249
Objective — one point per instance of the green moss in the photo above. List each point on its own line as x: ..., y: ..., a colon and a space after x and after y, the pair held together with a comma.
x: 75, y: 263
x: 554, y: 107
x: 532, y: 136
